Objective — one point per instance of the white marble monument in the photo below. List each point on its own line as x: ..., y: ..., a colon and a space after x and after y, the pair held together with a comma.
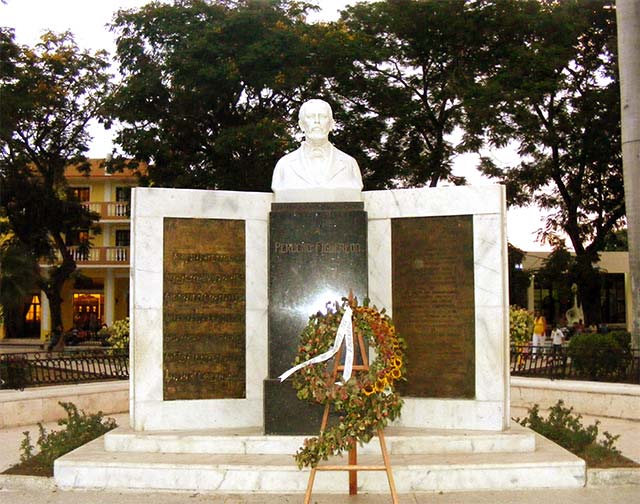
x: 219, y: 444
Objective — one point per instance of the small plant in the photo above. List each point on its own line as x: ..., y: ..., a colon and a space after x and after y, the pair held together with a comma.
x: 520, y: 325
x: 566, y: 429
x: 119, y: 334
x: 79, y: 428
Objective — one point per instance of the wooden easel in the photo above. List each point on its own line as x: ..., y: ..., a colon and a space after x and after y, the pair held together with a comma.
x: 353, y: 466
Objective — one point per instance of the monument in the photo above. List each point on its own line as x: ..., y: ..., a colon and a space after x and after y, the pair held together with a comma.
x: 317, y: 254
x: 221, y: 284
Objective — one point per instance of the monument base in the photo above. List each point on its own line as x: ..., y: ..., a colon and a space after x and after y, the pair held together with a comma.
x: 245, y: 461
x: 285, y: 414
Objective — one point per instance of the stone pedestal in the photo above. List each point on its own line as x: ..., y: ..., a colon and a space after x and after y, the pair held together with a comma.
x: 317, y: 254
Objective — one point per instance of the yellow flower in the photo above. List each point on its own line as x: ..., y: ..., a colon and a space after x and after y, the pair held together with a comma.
x: 368, y: 390
x: 396, y: 362
x: 396, y: 373
x: 381, y: 383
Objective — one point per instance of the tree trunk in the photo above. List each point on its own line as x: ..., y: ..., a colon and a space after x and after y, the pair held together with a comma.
x: 628, y: 19
x: 55, y: 307
x: 589, y: 284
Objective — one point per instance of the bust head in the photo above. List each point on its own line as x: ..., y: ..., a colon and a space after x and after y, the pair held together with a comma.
x: 315, y: 119
x: 317, y: 171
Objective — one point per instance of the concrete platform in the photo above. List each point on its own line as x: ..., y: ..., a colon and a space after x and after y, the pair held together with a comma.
x: 400, y: 441
x: 245, y: 462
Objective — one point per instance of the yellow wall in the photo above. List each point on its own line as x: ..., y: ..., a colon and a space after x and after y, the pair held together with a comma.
x: 97, y: 191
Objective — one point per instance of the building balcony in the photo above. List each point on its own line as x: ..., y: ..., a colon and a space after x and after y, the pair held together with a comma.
x: 110, y: 210
x: 100, y: 256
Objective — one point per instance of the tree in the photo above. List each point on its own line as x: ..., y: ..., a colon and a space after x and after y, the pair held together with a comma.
x: 49, y: 94
x: 401, y: 72
x: 557, y: 95
x: 208, y: 89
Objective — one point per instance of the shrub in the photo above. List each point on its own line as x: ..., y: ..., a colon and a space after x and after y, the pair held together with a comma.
x: 623, y: 338
x: 596, y: 355
x: 520, y: 325
x: 566, y: 429
x: 80, y: 428
x: 119, y: 334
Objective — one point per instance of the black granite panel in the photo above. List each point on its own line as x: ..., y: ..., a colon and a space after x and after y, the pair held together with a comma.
x: 285, y: 414
x: 317, y: 254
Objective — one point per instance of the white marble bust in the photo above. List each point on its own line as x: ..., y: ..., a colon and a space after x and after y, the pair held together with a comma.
x: 317, y: 171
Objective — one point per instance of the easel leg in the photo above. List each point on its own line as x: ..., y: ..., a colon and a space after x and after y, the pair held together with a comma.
x: 307, y: 495
x: 353, y: 475
x: 387, y: 464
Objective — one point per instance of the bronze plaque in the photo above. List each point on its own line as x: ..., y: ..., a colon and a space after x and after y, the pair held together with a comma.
x: 204, y: 309
x: 433, y: 304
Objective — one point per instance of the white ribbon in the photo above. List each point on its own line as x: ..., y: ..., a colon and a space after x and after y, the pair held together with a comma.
x: 345, y: 331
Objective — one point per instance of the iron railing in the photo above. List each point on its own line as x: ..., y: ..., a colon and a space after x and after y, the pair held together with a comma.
x: 21, y: 370
x: 556, y: 364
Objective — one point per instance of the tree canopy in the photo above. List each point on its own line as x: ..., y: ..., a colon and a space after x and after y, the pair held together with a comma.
x: 49, y: 94
x: 558, y: 97
x: 208, y: 89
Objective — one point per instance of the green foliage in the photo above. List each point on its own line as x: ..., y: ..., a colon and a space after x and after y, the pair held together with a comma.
x: 623, y: 338
x: 18, y: 277
x: 49, y: 94
x: 566, y: 429
x: 595, y: 355
x: 79, y: 429
x: 119, y: 334
x: 557, y: 95
x: 401, y: 73
x: 209, y: 87
x: 520, y: 325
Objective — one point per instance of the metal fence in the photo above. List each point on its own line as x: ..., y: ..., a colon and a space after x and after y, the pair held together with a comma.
x: 556, y: 364
x: 21, y: 370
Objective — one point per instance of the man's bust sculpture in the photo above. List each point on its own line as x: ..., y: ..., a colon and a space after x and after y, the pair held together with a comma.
x: 316, y: 171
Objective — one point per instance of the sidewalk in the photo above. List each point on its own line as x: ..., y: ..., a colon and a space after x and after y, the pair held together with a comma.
x: 14, y: 492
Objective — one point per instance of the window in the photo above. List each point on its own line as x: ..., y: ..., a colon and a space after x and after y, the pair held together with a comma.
x: 81, y: 193
x: 123, y: 196
x: 122, y: 238
x: 123, y: 193
x: 612, y: 298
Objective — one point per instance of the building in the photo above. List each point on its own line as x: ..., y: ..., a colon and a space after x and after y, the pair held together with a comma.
x: 615, y: 295
x: 99, y: 292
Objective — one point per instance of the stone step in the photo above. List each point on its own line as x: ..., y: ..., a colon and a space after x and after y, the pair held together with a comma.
x: 91, y: 466
x: 400, y: 441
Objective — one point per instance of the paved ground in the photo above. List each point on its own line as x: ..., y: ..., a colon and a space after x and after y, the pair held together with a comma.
x: 16, y: 493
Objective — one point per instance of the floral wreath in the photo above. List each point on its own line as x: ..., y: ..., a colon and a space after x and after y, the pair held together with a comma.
x: 367, y: 401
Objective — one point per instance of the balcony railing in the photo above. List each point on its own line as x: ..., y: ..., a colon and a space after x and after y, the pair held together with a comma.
x: 100, y: 255
x: 110, y: 210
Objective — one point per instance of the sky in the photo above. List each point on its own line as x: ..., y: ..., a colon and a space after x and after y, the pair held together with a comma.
x: 87, y: 20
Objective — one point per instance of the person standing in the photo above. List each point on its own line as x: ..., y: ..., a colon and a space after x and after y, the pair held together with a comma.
x: 539, y: 330
x: 557, y: 339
